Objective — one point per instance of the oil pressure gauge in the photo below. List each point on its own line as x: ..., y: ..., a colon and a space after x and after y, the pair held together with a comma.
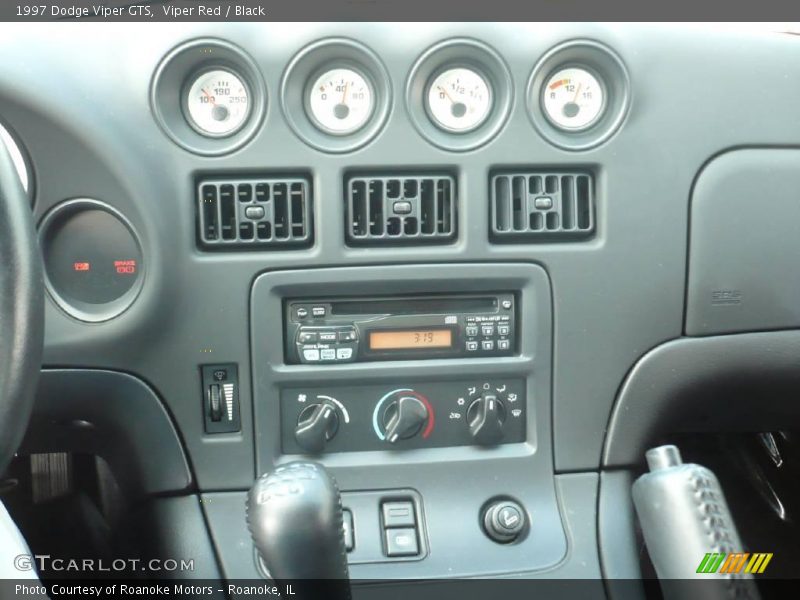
x: 217, y: 103
x: 340, y: 101
x: 573, y: 99
x: 459, y: 100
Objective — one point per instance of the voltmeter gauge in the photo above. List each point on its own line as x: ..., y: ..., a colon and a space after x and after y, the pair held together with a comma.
x: 459, y: 100
x: 573, y: 99
x: 217, y: 103
x: 340, y: 101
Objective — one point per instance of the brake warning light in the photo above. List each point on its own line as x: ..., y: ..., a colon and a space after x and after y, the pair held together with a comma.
x: 125, y: 267
x: 81, y: 266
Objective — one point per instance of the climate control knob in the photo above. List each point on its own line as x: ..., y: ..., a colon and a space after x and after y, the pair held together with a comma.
x: 316, y: 426
x: 404, y: 418
x: 485, y: 417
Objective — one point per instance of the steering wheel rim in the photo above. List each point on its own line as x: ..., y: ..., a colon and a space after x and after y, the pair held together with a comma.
x: 21, y: 310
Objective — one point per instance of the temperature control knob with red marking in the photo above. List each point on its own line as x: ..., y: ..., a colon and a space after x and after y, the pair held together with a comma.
x: 404, y: 418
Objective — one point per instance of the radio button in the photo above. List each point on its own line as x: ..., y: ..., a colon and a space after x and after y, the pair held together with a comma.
x: 503, y: 344
x: 344, y: 353
x: 327, y: 336
x: 487, y: 345
x: 472, y: 346
x: 301, y: 313
x: 318, y: 311
x: 347, y: 336
x: 307, y: 337
x: 472, y: 330
x: 503, y: 329
x: 487, y: 330
x: 311, y: 355
x: 328, y: 354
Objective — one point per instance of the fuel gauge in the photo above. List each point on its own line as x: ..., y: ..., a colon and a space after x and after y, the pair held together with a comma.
x: 459, y: 100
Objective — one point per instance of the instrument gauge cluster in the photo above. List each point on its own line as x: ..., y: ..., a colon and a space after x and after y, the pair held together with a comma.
x: 337, y: 96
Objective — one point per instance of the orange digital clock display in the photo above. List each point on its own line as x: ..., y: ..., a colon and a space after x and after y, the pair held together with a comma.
x: 410, y: 339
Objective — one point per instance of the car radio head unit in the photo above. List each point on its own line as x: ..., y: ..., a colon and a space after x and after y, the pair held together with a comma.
x: 336, y: 330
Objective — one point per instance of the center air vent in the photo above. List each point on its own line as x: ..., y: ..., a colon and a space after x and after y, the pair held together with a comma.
x: 254, y: 212
x: 403, y: 210
x: 541, y: 206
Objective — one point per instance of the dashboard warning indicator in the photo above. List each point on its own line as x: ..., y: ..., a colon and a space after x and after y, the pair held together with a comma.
x: 125, y: 267
x: 81, y: 266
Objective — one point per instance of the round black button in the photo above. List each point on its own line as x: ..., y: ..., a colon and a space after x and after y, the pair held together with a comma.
x: 504, y: 521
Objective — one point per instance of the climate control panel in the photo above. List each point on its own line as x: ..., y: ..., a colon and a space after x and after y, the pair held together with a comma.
x: 483, y: 412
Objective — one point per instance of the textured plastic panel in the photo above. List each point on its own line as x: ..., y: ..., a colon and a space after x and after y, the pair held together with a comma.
x: 542, y: 205
x: 744, y: 244
x: 408, y: 209
x: 254, y: 212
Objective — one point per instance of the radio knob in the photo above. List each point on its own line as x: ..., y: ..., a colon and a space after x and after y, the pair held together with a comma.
x: 316, y: 426
x: 486, y: 417
x: 404, y: 418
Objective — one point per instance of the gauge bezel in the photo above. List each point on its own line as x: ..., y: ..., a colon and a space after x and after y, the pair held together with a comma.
x: 607, y: 67
x: 441, y: 71
x: 303, y: 70
x: 459, y: 53
x: 310, y: 86
x: 77, y: 309
x: 173, y: 78
x: 600, y: 82
x: 197, y: 75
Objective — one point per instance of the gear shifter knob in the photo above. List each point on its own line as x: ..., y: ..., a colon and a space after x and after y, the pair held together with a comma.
x: 295, y: 517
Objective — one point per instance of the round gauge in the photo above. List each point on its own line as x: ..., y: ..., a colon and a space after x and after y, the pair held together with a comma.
x: 93, y: 260
x: 340, y: 101
x: 218, y: 103
x: 459, y: 100
x: 573, y: 99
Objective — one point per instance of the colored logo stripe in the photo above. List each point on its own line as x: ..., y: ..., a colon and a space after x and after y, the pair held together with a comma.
x: 714, y: 562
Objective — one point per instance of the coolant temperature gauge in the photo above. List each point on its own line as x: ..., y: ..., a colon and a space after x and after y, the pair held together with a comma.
x: 459, y: 100
x: 340, y: 101
x: 573, y: 99
x: 218, y: 103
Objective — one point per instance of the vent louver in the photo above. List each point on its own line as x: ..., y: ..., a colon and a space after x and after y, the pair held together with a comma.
x: 541, y: 206
x: 254, y: 212
x: 405, y: 210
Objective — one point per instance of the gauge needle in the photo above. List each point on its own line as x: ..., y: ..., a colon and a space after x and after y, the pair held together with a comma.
x: 209, y: 96
x: 344, y: 95
x: 578, y: 91
x: 444, y: 91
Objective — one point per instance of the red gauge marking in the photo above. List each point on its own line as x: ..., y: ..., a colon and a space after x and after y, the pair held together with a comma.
x: 81, y: 266
x: 558, y: 83
x: 431, y: 418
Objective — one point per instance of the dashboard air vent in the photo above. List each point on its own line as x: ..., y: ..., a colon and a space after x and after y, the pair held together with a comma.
x: 254, y: 212
x: 401, y: 210
x: 541, y: 206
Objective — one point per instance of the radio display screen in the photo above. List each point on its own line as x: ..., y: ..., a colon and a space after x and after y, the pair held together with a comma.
x: 409, y: 339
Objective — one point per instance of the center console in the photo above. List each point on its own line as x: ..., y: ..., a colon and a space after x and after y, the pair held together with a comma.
x: 426, y: 391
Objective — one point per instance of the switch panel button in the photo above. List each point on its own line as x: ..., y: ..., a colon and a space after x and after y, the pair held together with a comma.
x: 398, y: 514
x: 401, y: 542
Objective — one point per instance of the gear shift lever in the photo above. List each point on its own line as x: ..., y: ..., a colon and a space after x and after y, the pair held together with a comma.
x: 295, y: 517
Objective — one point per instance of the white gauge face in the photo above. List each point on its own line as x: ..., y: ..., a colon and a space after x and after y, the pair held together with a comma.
x: 459, y: 100
x: 218, y: 103
x: 573, y: 99
x: 341, y: 101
